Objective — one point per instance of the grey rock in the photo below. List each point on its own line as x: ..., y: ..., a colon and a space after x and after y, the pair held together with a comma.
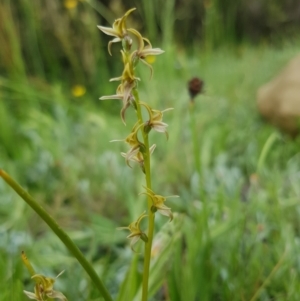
x: 279, y: 100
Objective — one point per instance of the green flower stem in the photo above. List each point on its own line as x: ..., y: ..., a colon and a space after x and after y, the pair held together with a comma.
x: 148, y: 245
x: 194, y: 138
x: 196, y: 149
x: 197, y: 162
x: 62, y: 235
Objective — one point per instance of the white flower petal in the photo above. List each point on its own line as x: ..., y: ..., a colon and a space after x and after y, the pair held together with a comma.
x: 116, y: 96
x: 109, y: 31
x: 31, y: 295
x: 56, y: 295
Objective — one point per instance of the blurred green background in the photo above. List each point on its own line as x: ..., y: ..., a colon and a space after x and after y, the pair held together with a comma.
x: 55, y: 133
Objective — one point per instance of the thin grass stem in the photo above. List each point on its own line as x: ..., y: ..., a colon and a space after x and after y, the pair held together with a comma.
x: 268, y: 279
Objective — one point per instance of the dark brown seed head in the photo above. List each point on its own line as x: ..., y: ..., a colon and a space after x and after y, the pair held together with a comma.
x: 195, y: 86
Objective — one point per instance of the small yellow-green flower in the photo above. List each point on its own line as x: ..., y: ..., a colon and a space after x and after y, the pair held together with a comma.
x: 135, y: 231
x: 158, y: 203
x: 119, y: 94
x: 155, y: 120
x: 134, y: 143
x: 139, y: 158
x: 128, y: 82
x: 43, y: 289
x: 128, y: 72
x: 78, y: 90
x: 132, y: 138
x: 143, y: 51
x: 69, y: 4
x: 118, y: 30
x: 126, y: 97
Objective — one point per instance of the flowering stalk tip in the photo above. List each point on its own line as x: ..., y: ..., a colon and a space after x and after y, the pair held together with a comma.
x: 118, y: 30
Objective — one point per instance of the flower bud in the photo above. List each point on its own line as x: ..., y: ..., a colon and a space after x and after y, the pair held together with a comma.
x: 144, y: 237
x: 153, y: 209
x: 147, y: 128
x: 142, y: 165
x: 142, y: 148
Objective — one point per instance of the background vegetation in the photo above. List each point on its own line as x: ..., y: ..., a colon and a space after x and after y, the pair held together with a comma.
x: 55, y: 133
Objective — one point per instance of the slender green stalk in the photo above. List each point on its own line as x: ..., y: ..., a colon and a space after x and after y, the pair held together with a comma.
x: 195, y: 140
x: 198, y: 167
x: 266, y: 148
x: 148, y: 245
x: 61, y: 234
